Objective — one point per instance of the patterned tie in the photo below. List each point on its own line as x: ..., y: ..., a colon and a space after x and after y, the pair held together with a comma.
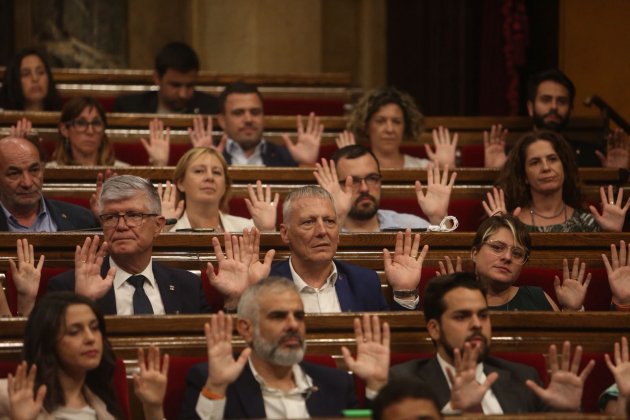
x: 141, y: 303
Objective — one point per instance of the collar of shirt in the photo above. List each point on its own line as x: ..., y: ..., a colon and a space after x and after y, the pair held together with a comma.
x: 43, y: 221
x: 301, y: 285
x: 303, y: 383
x: 121, y: 275
x: 238, y: 155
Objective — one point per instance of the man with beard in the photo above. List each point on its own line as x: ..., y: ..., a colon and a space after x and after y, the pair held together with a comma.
x: 550, y: 96
x: 24, y: 209
x: 241, y: 118
x: 354, y: 181
x: 269, y: 379
x: 463, y: 374
x: 176, y: 71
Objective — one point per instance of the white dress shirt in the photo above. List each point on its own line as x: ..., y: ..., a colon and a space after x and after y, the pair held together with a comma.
x: 489, y: 403
x: 318, y: 300
x: 278, y: 404
x: 124, y: 291
x: 237, y: 154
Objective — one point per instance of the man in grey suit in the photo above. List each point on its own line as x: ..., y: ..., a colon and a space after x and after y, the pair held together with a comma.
x: 465, y: 378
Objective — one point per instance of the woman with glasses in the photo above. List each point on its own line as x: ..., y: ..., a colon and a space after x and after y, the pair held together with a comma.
x: 383, y: 118
x: 83, y: 139
x: 28, y: 84
x: 500, y: 249
x: 540, y: 184
x: 199, y: 196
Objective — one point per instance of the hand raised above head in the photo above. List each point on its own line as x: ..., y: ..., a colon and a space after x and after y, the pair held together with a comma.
x: 571, y: 292
x: 306, y: 149
x: 494, y: 147
x: 159, y: 145
x: 150, y: 383
x: 199, y: 135
x: 261, y: 207
x: 617, y: 150
x: 618, y: 272
x: 22, y: 403
x: 26, y: 276
x: 345, y: 138
x: 171, y: 208
x: 404, y: 268
x: 613, y: 214
x: 620, y: 367
x: 326, y: 176
x: 445, y: 148
x: 434, y: 203
x: 446, y: 267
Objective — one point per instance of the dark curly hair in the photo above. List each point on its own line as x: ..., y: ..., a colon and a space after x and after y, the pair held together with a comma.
x: 372, y: 101
x: 513, y: 179
x: 41, y: 336
x: 11, y: 95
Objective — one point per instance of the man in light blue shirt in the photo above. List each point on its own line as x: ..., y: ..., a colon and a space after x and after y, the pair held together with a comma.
x: 353, y: 178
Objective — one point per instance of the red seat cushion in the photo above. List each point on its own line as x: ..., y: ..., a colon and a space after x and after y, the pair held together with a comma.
x: 47, y: 273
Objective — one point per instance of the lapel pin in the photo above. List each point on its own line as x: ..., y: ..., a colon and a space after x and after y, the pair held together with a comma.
x: 63, y: 215
x: 171, y: 288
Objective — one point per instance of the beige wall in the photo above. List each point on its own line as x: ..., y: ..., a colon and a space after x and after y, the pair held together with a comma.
x: 595, y: 51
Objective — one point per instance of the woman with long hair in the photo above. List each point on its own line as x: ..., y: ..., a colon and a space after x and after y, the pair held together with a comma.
x: 69, y: 364
x: 28, y: 84
x: 540, y: 184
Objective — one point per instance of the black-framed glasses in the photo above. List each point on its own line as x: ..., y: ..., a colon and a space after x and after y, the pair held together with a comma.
x: 81, y: 125
x: 519, y: 255
x: 371, y: 180
x: 132, y: 218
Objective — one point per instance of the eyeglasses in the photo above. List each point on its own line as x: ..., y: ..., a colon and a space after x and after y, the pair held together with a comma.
x: 132, y: 218
x: 82, y: 125
x: 519, y: 255
x: 371, y: 180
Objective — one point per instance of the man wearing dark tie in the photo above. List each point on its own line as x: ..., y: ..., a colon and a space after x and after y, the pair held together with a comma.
x: 127, y: 281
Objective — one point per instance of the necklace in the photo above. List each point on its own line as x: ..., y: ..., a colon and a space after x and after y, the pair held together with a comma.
x: 563, y: 209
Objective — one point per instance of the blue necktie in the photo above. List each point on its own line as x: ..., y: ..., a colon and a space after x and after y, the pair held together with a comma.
x: 141, y: 303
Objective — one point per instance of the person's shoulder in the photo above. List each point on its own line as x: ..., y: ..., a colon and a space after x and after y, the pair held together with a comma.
x: 410, y: 367
x: 75, y: 209
x: 520, y: 370
x: 392, y: 219
x: 233, y: 223
x: 204, y: 103
x: 322, y: 372
x: 346, y: 267
x: 136, y: 102
x: 414, y: 162
x: 178, y: 273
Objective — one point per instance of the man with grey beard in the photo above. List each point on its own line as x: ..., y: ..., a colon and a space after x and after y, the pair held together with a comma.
x: 269, y: 379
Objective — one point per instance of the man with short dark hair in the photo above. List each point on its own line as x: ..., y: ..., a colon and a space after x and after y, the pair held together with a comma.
x: 176, y: 71
x: 405, y: 399
x: 353, y: 178
x: 128, y: 281
x: 270, y: 379
x: 463, y: 374
x: 241, y: 118
x: 550, y: 95
x: 22, y: 205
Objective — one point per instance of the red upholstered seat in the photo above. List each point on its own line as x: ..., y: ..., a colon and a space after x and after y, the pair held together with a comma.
x: 119, y: 381
x: 180, y: 365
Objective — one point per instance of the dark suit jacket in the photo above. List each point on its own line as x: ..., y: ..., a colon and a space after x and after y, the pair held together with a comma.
x: 510, y: 389
x: 65, y: 215
x: 272, y: 155
x: 335, y: 392
x: 181, y: 291
x: 147, y: 103
x: 358, y: 288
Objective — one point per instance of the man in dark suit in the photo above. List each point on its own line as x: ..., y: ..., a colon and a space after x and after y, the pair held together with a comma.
x: 241, y: 118
x: 128, y: 281
x: 269, y: 378
x: 176, y: 70
x: 466, y: 378
x: 23, y: 208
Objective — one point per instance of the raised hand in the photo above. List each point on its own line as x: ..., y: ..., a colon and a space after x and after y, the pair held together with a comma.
x: 564, y: 391
x: 23, y: 404
x: 306, y: 149
x: 434, y: 203
x: 618, y: 271
x: 403, y: 269
x: 222, y: 368
x: 250, y: 254
x: 22, y: 128
x: 326, y: 176
x: 372, y: 361
x: 200, y: 135
x: 150, y: 384
x: 445, y: 148
x: 94, y: 198
x: 617, y: 150
x: 26, y: 276
x: 232, y: 277
x: 572, y: 291
x: 159, y: 145
x: 613, y: 213
x: 620, y: 368
x: 171, y: 208
x: 466, y: 392
x: 88, y: 260
x: 346, y: 138
x: 496, y: 203
x: 446, y: 267
x: 262, y: 208
x: 494, y: 147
